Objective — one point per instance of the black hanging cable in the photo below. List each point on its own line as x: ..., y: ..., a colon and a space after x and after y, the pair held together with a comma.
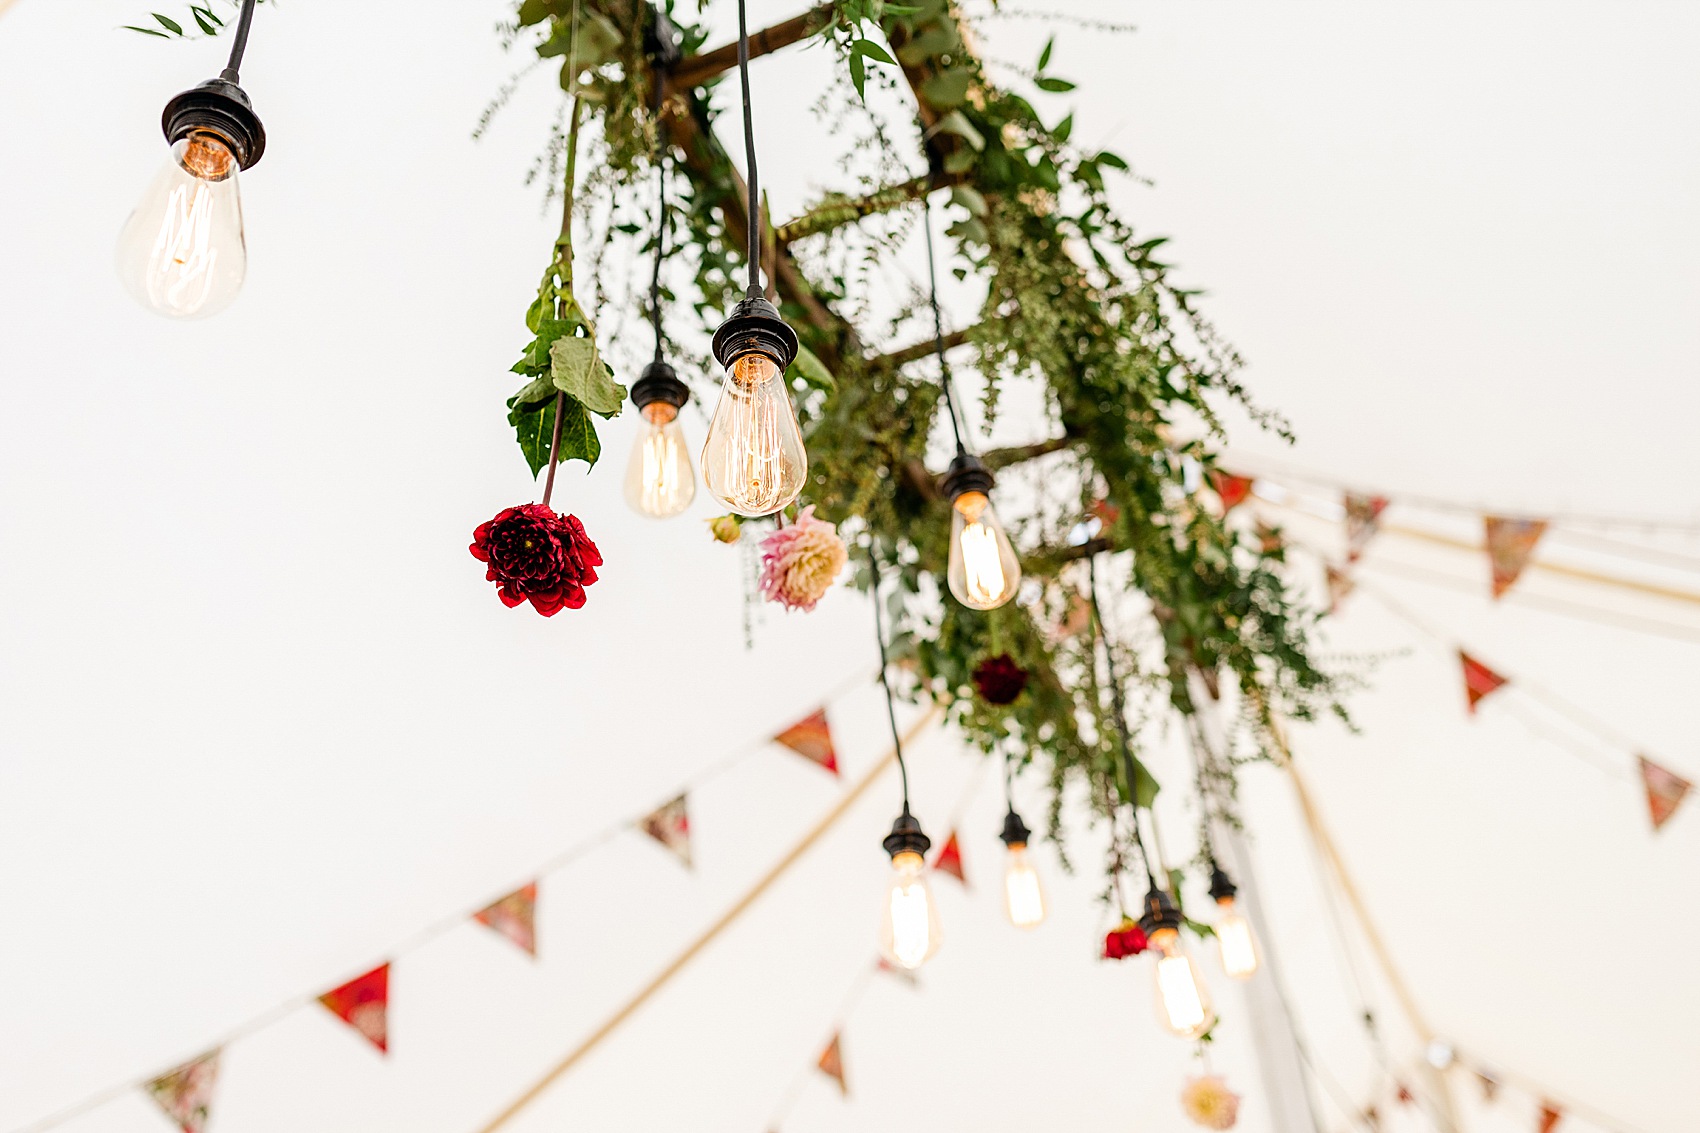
x: 1119, y: 706
x: 938, y: 328
x: 754, y: 224
x: 239, y: 43
x: 890, y: 707
x: 660, y: 221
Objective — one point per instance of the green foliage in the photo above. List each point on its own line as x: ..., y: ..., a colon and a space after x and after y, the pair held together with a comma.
x: 202, y: 16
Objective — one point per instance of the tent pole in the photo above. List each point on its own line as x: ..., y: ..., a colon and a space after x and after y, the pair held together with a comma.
x: 696, y: 947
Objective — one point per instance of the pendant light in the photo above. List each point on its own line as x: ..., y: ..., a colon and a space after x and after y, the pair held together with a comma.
x: 1023, y: 896
x: 660, y: 482
x: 1235, y: 941
x: 909, y: 917
x: 182, y: 253
x: 1182, y: 999
x: 753, y: 460
x: 983, y: 572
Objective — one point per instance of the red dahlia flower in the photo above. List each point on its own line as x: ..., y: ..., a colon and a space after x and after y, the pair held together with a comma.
x: 999, y: 679
x: 1126, y: 939
x: 537, y: 556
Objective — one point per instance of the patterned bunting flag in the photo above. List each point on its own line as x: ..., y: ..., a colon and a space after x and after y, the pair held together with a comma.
x: 949, y: 859
x: 1479, y: 680
x: 1551, y: 1115
x: 1363, y: 519
x: 363, y: 1003
x: 186, y: 1093
x: 1489, y: 1084
x: 1665, y: 790
x: 515, y: 917
x: 670, y: 825
x: 1510, y: 545
x: 1270, y: 540
x: 832, y: 1065
x: 1233, y: 490
x: 811, y: 738
x: 1340, y: 586
x: 905, y: 974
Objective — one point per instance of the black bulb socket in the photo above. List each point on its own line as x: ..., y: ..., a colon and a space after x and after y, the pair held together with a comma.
x: 1015, y: 832
x: 221, y: 108
x: 659, y: 382
x: 1159, y: 913
x: 967, y: 473
x: 1222, y: 887
x: 754, y: 327
x: 661, y: 39
x: 906, y: 837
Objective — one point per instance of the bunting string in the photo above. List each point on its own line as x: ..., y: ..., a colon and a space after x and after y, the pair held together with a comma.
x: 363, y: 1014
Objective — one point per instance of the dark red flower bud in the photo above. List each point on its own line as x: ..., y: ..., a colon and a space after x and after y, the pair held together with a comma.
x: 1126, y: 939
x: 537, y: 556
x: 999, y: 679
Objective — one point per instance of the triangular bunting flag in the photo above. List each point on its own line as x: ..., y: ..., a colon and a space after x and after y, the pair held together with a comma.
x: 1363, y: 519
x: 363, y: 1003
x: 670, y: 825
x: 1551, y: 1115
x: 1233, y: 490
x: 1489, y: 1084
x: 832, y: 1065
x: 811, y: 738
x: 1340, y: 586
x: 1270, y: 540
x: 515, y: 917
x: 949, y: 859
x: 186, y: 1093
x: 1403, y: 1094
x: 1510, y: 544
x: 1479, y: 680
x: 904, y: 974
x: 1665, y: 790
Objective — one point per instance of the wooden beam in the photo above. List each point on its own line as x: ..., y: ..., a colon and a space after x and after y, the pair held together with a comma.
x: 835, y: 212
x: 699, y: 69
x: 917, y: 351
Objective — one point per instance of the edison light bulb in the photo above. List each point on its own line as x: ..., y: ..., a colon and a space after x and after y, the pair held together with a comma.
x: 1023, y: 899
x: 659, y: 480
x: 983, y: 572
x: 182, y: 252
x: 1234, y: 938
x: 753, y: 460
x: 909, y: 923
x: 1183, y: 1004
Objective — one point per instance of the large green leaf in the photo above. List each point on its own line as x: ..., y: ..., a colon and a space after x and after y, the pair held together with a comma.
x: 578, y: 434
x: 947, y: 89
x: 812, y: 370
x: 579, y: 372
x: 533, y: 425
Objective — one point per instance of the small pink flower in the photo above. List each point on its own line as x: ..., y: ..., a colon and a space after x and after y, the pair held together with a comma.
x: 1209, y: 1102
x: 800, y: 562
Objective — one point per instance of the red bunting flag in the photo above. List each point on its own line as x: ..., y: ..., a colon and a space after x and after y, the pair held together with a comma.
x: 186, y: 1093
x: 515, y: 917
x: 811, y: 738
x: 670, y: 825
x: 905, y: 974
x: 949, y: 859
x: 363, y: 1003
x: 1232, y: 490
x: 832, y: 1065
x: 1510, y: 545
x: 1479, y: 680
x: 1363, y: 519
x: 1340, y: 586
x: 1403, y: 1095
x: 1665, y: 790
x: 1551, y: 1115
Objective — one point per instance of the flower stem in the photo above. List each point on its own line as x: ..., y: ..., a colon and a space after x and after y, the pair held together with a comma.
x: 564, y: 268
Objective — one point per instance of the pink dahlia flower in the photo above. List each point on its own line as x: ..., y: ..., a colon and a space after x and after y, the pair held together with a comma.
x: 800, y: 562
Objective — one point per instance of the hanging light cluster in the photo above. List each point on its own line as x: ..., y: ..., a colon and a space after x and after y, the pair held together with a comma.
x: 753, y: 460
x: 182, y: 253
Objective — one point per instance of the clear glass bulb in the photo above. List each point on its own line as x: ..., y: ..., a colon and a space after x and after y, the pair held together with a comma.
x: 1236, y: 941
x: 182, y: 252
x: 753, y: 460
x: 1023, y: 898
x: 1183, y: 1003
x: 984, y: 572
x: 659, y: 480
x: 909, y: 923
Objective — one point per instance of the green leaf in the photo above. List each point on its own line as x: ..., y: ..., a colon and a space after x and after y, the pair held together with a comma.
x: 970, y: 230
x: 957, y: 123
x: 1145, y: 787
x: 960, y: 161
x: 1107, y: 158
x: 940, y: 39
x: 578, y: 435
x: 536, y: 358
x: 579, y: 373
x: 168, y: 23
x: 813, y: 371
x: 1055, y: 86
x: 201, y: 18
x: 1045, y: 55
x: 947, y: 89
x: 859, y: 76
x: 533, y: 426
x: 969, y: 198
x: 1063, y: 129
x: 534, y: 391
x: 872, y: 50
x: 146, y: 31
